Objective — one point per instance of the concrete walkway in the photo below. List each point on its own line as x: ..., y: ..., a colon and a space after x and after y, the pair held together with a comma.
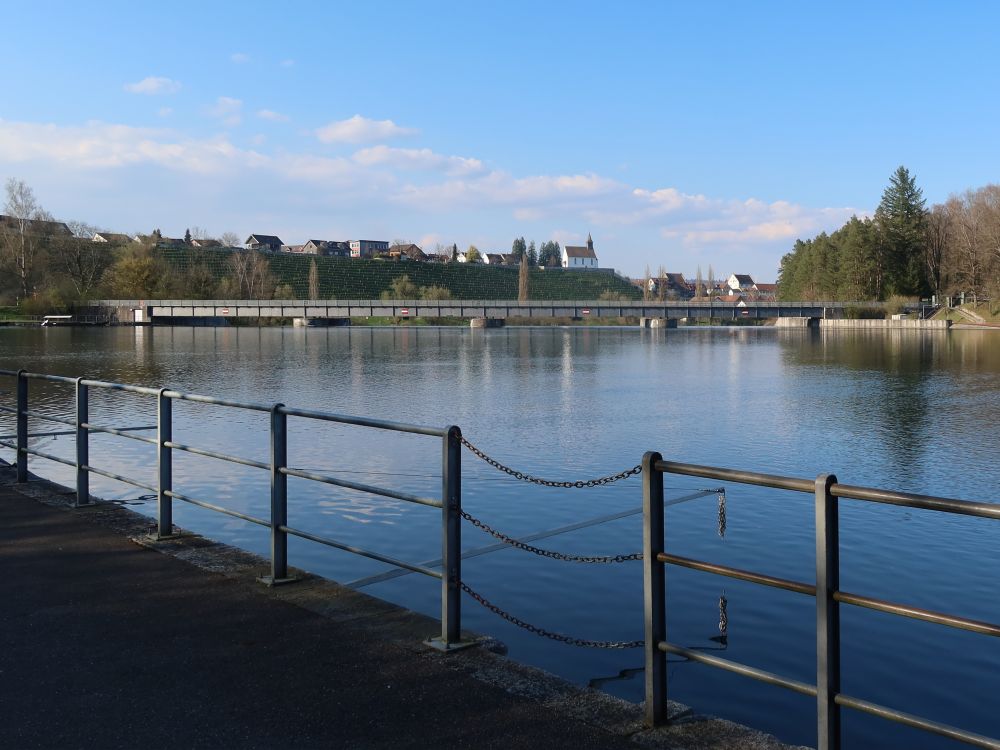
x: 105, y: 643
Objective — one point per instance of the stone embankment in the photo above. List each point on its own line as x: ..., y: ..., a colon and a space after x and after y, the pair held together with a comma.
x: 910, y: 324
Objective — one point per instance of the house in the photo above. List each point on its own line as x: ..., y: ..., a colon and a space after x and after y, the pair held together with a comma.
x: 765, y: 292
x: 731, y: 299
x: 368, y: 248
x: 205, y: 243
x: 169, y: 241
x: 112, y: 238
x: 267, y: 243
x: 672, y: 285
x: 407, y: 252
x: 37, y: 227
x: 740, y: 282
x: 493, y: 259
x: 580, y: 257
x: 508, y: 259
x: 291, y: 248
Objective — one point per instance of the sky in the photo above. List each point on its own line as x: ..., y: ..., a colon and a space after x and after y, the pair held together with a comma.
x: 679, y: 135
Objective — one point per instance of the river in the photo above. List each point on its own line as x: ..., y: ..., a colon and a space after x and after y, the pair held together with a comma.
x: 906, y: 410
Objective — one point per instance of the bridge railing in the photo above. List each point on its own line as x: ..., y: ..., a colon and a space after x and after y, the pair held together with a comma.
x: 449, y: 503
x: 826, y: 590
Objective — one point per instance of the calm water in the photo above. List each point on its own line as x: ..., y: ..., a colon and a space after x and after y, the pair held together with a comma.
x: 906, y: 410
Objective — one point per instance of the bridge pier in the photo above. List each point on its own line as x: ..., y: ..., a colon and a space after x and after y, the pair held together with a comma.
x: 658, y: 322
x: 486, y: 323
x: 796, y: 323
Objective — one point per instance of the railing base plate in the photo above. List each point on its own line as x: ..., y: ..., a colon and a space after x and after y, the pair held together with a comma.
x: 439, y: 644
x: 271, y: 581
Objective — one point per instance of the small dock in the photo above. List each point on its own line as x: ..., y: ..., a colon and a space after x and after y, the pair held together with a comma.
x: 113, y: 640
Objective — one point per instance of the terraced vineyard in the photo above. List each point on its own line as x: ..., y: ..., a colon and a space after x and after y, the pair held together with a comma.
x: 344, y: 278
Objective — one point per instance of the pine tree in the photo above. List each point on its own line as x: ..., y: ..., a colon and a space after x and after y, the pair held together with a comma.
x: 901, y: 217
x: 532, y: 254
x: 187, y: 236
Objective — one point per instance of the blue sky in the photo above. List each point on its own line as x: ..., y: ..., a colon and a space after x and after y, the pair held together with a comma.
x: 679, y: 135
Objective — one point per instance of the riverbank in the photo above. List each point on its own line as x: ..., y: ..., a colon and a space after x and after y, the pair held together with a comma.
x: 111, y: 644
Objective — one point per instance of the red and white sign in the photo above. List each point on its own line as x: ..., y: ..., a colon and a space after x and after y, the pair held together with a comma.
x: 225, y: 311
x: 586, y: 311
x: 404, y: 311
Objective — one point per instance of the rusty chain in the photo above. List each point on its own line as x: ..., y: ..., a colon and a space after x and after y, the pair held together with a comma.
x: 549, y: 482
x: 582, y: 642
x: 722, y: 515
x: 545, y: 552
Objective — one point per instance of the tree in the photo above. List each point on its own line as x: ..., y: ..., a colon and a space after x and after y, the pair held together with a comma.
x: 472, y: 255
x: 252, y: 275
x: 699, y: 286
x: 435, y: 292
x: 710, y: 282
x: 230, y: 239
x: 532, y: 254
x: 661, y: 285
x: 647, y: 287
x: 82, y: 261
x: 518, y: 249
x: 401, y: 288
x: 522, y: 281
x: 187, y: 236
x: 901, y: 216
x: 20, y: 241
x: 454, y: 253
x: 313, y: 280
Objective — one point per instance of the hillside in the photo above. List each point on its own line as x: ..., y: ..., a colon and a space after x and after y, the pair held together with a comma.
x: 344, y: 278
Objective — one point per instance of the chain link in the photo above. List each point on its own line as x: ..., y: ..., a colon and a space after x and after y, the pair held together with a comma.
x: 582, y: 642
x: 548, y: 482
x: 545, y: 552
x: 722, y: 514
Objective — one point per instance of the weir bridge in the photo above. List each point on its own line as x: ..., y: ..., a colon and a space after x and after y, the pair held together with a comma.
x: 485, y: 311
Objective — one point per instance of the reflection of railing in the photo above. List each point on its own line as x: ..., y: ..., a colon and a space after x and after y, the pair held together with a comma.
x: 826, y: 590
x: 450, y: 501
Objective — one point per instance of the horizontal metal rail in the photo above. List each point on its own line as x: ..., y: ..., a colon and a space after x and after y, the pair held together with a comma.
x: 92, y: 428
x: 924, y: 502
x: 736, y: 667
x: 8, y: 409
x: 737, y: 573
x: 216, y: 508
x: 49, y: 456
x: 360, y: 551
x: 738, y: 476
x: 120, y: 432
x: 195, y: 398
x: 49, y: 418
x: 379, y: 424
x: 917, y: 722
x: 118, y: 477
x: 214, y: 454
x: 917, y: 613
x: 49, y: 378
x: 370, y: 489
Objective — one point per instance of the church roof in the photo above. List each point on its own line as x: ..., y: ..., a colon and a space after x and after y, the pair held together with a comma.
x: 580, y: 252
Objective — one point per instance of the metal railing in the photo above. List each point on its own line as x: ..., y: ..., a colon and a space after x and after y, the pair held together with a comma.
x: 450, y: 501
x: 826, y: 590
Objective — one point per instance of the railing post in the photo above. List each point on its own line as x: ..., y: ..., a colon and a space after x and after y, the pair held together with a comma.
x: 827, y: 615
x: 22, y: 426
x: 165, y: 468
x: 279, y: 498
x: 654, y: 591
x: 451, y: 537
x: 82, y: 445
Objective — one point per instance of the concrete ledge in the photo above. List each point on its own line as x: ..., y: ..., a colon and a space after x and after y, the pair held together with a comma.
x: 912, y: 325
x: 796, y: 322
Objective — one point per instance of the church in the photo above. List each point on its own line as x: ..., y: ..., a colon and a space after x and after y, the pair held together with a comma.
x: 580, y: 257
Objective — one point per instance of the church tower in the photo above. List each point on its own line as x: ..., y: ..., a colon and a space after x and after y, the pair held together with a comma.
x: 590, y: 242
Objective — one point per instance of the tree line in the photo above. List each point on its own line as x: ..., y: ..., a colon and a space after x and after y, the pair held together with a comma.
x: 904, y: 250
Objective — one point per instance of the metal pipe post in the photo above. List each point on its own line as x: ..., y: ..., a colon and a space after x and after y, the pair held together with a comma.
x: 22, y: 426
x: 654, y: 591
x: 279, y: 495
x: 451, y: 537
x: 165, y: 465
x: 82, y: 444
x: 827, y: 615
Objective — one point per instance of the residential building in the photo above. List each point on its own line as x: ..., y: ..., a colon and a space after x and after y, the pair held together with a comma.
x: 580, y: 257
x: 112, y: 238
x: 368, y: 248
x: 493, y: 259
x: 407, y: 252
x: 740, y: 283
x: 36, y: 227
x: 672, y: 285
x: 266, y: 243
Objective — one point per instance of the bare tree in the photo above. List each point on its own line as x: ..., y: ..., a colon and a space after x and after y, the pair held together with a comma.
x: 19, y: 241
x: 647, y: 286
x: 230, y: 239
x: 199, y: 233
x: 661, y: 286
x: 252, y: 274
x: 699, y: 286
x: 522, y: 280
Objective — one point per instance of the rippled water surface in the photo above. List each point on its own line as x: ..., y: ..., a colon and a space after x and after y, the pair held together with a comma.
x: 913, y: 411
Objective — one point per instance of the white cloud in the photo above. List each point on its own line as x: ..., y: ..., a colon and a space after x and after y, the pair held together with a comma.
x: 417, y: 158
x: 268, y: 114
x: 227, y: 109
x: 360, y: 129
x: 153, y: 85
x: 165, y: 111
x: 287, y: 63
x: 240, y: 57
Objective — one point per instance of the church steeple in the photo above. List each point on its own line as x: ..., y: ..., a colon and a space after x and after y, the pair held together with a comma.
x: 590, y: 242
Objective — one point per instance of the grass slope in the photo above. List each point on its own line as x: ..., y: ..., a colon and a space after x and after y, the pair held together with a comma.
x: 344, y: 278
